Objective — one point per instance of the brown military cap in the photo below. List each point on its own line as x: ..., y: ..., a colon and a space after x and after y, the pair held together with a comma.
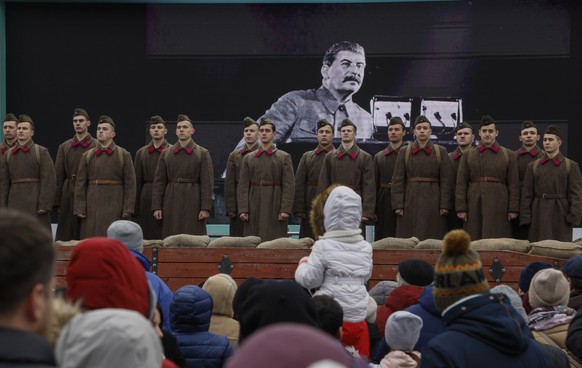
x: 183, y: 117
x: 10, y: 117
x: 157, y: 119
x: 555, y: 130
x: 78, y: 111
x: 106, y: 119
x: 487, y: 120
x: 396, y: 120
x: 322, y: 123
x: 463, y: 125
x: 421, y: 119
x: 25, y: 119
x: 248, y: 121
x: 527, y: 124
x: 265, y: 120
x: 348, y: 122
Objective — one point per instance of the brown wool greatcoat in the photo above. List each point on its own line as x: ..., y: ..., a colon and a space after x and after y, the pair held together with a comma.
x: 104, y: 203
x: 233, y: 167
x: 264, y: 202
x: 66, y: 166
x: 384, y: 164
x: 183, y: 186
x: 145, y: 170
x: 29, y: 196
x: 453, y: 221
x: 551, y: 218
x: 4, y: 147
x: 422, y: 200
x: 357, y: 174
x: 306, y: 180
x: 523, y: 158
x: 487, y: 203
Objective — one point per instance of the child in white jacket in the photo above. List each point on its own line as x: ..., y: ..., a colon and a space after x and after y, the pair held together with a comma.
x: 340, y: 262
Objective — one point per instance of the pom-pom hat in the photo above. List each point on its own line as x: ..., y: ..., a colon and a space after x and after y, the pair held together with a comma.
x: 458, y: 271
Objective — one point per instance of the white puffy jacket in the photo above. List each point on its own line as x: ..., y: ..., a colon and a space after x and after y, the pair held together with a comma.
x: 340, y: 262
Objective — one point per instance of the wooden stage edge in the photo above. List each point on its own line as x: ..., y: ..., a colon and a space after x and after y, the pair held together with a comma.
x: 192, y: 266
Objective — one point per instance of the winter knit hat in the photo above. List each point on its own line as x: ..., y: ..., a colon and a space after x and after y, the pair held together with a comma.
x: 402, y: 330
x: 128, y: 233
x: 548, y: 288
x: 529, y: 271
x: 458, y: 271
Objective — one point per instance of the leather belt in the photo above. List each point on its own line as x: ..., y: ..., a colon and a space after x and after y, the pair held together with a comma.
x: 354, y: 187
x: 384, y: 184
x: 25, y: 180
x: 312, y: 183
x: 487, y: 179
x: 184, y: 180
x: 551, y: 196
x: 105, y: 182
x: 416, y: 179
x: 266, y: 183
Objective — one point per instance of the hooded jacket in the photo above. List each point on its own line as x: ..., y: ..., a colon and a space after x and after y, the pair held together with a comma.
x: 483, y: 331
x: 21, y: 349
x: 190, y: 314
x: 340, y: 262
x: 108, y: 338
x: 222, y: 288
x: 163, y: 293
x: 402, y: 297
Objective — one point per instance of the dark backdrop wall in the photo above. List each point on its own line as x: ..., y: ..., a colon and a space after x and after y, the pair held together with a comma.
x: 219, y: 63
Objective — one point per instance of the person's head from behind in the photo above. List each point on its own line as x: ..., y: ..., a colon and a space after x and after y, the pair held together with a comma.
x: 402, y: 330
x: 549, y: 288
x: 330, y: 315
x: 336, y: 208
x: 573, y: 271
x: 26, y: 269
x: 343, y: 68
x: 109, y: 338
x: 102, y: 273
x: 128, y: 233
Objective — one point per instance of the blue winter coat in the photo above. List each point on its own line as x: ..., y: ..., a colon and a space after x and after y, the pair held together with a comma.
x: 163, y: 293
x: 190, y: 314
x: 484, y: 331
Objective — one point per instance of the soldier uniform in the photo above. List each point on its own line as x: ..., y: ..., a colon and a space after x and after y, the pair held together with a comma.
x: 5, y: 146
x: 28, y: 178
x: 66, y: 166
x: 146, y: 162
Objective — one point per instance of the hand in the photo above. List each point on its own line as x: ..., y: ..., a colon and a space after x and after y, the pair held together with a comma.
x: 231, y: 214
x: 364, y: 219
x: 511, y: 216
x: 58, y: 210
x: 399, y: 211
x: 126, y: 216
x: 303, y: 260
x: 300, y: 214
x: 81, y: 216
x: 203, y: 215
x: 244, y: 216
x: 462, y: 215
x: 41, y: 212
x: 444, y: 212
x: 158, y: 214
x: 283, y: 216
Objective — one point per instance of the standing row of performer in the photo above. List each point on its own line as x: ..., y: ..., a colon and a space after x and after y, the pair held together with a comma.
x: 410, y: 190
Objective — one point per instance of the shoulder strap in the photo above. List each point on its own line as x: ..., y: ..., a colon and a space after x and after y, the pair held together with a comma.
x: 90, y: 154
x: 535, y: 165
x: 407, y: 153
x: 120, y: 155
x: 8, y: 154
x: 568, y: 164
x: 505, y: 154
x: 438, y: 153
x: 37, y: 153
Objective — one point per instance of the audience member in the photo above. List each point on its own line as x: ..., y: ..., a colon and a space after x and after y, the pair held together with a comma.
x: 432, y: 320
x: 330, y: 315
x: 130, y: 234
x: 573, y: 271
x: 108, y: 338
x: 550, y: 317
x: 222, y: 289
x: 340, y: 262
x: 525, y: 279
x: 514, y: 299
x: 291, y: 345
x: 26, y: 267
x: 266, y: 302
x: 190, y: 314
x: 402, y: 332
x: 169, y: 343
x: 481, y: 329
